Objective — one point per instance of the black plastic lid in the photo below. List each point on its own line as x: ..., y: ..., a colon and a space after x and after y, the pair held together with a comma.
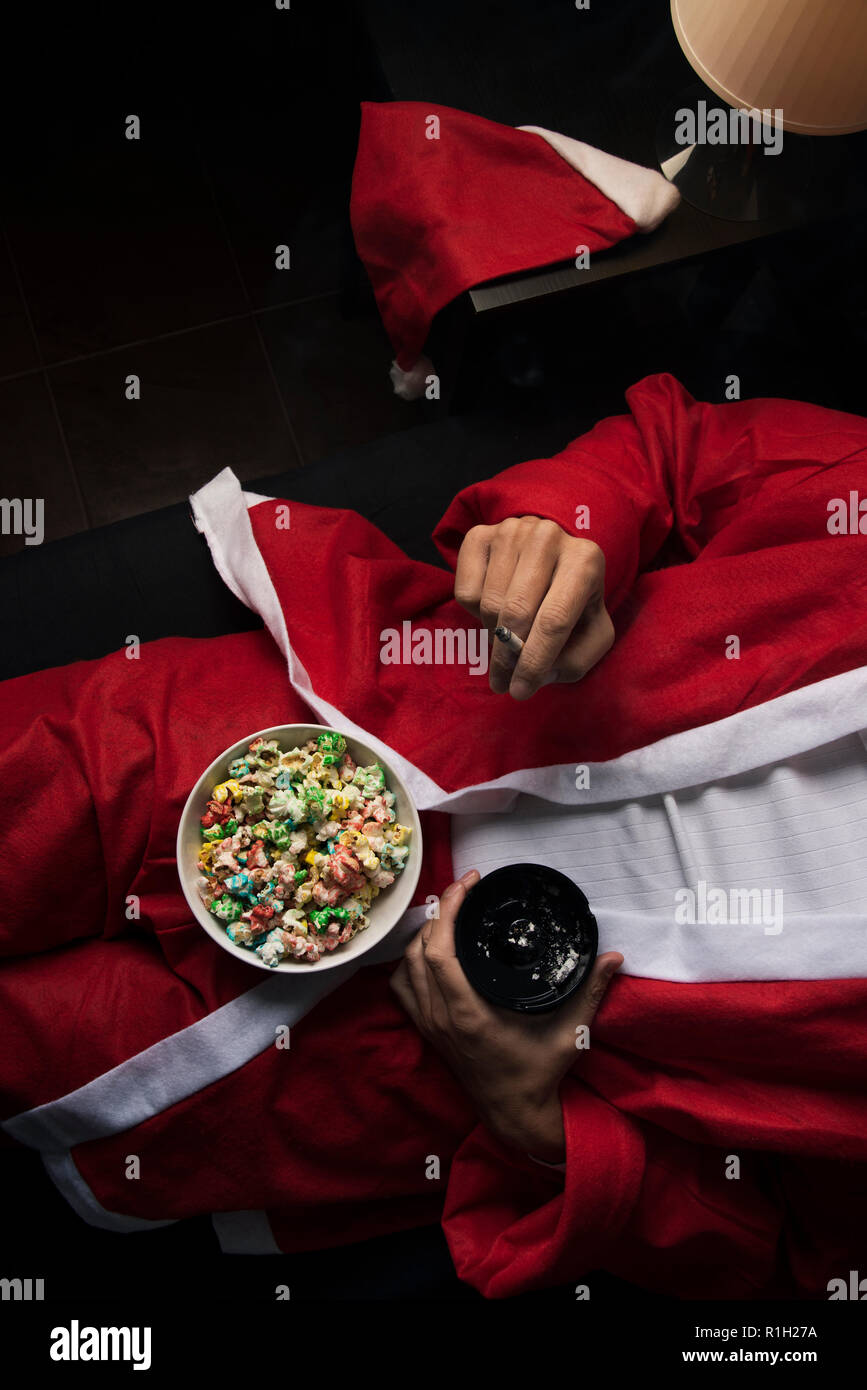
x: 526, y: 938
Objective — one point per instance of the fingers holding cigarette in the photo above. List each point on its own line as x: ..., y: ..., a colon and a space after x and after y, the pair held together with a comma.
x: 515, y: 646
x: 572, y: 631
x: 541, y: 592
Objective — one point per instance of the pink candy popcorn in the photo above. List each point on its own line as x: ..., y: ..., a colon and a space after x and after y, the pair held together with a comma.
x: 372, y: 830
x: 381, y: 878
x: 327, y: 897
x: 256, y: 857
x: 343, y: 869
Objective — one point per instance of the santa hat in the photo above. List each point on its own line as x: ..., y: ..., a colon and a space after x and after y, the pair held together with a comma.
x: 442, y: 201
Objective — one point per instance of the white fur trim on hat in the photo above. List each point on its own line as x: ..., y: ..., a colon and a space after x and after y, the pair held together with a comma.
x: 643, y: 194
x: 410, y: 386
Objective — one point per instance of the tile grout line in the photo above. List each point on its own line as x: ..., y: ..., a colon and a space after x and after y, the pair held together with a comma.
x: 274, y: 382
x: 262, y: 348
x: 43, y: 371
x: 161, y: 337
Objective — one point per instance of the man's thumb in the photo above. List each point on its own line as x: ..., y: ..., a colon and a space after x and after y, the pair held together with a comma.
x: 592, y: 992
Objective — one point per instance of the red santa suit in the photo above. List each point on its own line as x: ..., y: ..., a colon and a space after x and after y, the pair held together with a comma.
x: 137, y: 1035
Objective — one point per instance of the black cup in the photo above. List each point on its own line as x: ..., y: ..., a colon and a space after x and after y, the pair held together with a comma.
x: 526, y: 938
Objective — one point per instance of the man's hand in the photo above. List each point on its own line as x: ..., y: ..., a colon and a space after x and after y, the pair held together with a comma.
x: 548, y: 587
x: 510, y: 1064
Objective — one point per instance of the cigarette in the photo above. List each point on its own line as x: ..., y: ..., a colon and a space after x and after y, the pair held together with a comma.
x: 515, y: 644
x: 510, y: 639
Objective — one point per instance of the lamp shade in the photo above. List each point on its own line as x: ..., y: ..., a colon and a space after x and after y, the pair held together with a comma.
x: 804, y: 57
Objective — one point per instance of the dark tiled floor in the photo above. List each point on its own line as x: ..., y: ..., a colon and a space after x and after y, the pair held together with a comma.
x: 118, y: 240
x: 275, y: 184
x: 156, y: 257
x: 333, y: 375
x: 207, y: 402
x: 17, y: 345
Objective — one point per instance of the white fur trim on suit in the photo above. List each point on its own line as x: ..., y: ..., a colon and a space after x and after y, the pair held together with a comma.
x: 62, y: 1170
x: 643, y: 194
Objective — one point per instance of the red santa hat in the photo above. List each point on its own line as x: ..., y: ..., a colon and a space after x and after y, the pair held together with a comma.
x: 442, y: 201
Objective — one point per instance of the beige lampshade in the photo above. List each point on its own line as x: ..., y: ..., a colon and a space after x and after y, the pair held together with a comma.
x: 806, y: 57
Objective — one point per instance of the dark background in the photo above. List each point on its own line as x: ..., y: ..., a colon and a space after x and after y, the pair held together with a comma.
x: 156, y: 258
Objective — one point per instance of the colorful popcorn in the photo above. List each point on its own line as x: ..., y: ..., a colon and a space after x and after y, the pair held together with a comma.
x: 296, y: 845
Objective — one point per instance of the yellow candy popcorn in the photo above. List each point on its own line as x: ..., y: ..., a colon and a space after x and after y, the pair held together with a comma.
x: 399, y: 834
x: 224, y: 790
x: 369, y: 863
x: 354, y: 839
x: 341, y: 804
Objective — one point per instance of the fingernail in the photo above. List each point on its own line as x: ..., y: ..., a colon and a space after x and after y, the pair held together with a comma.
x: 520, y: 690
x: 467, y: 878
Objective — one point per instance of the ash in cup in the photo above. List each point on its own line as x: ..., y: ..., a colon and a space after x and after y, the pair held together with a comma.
x: 526, y: 938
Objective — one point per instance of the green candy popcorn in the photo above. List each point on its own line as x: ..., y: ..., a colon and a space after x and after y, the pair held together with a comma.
x: 261, y: 830
x: 300, y: 876
x: 214, y: 832
x: 370, y: 780
x: 226, y: 909
x: 316, y: 803
x: 285, y: 805
x: 333, y: 744
x: 321, y: 919
x: 231, y: 826
x: 281, y: 834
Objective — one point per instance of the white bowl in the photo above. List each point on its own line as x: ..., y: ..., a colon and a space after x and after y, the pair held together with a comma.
x: 384, y: 912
